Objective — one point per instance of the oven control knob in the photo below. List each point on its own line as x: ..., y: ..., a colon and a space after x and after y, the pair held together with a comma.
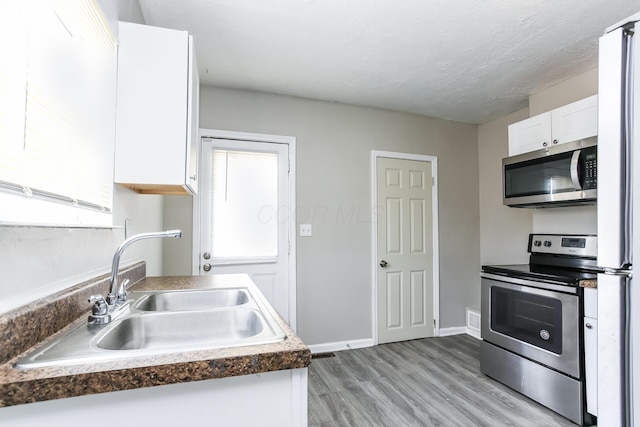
x: 545, y: 335
x: 537, y: 243
x: 547, y: 243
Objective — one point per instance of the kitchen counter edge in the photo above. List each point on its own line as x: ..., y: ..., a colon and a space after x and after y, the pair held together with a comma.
x: 41, y: 384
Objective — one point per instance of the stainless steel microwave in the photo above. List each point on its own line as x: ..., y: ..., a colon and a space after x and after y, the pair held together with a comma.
x: 562, y: 175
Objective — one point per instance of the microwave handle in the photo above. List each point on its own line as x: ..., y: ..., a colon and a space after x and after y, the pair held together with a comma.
x: 575, y: 165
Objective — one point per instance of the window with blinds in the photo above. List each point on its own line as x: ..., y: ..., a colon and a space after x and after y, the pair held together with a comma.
x: 244, y: 205
x: 58, y: 68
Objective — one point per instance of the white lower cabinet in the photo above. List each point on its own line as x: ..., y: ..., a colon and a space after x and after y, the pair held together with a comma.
x: 591, y: 349
x: 271, y: 399
x: 591, y: 363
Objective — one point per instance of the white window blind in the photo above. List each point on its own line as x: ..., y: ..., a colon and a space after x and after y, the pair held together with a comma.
x: 58, y: 62
x: 244, y: 199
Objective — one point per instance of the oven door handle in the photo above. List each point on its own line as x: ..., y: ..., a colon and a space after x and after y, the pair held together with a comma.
x: 550, y: 285
x: 575, y: 170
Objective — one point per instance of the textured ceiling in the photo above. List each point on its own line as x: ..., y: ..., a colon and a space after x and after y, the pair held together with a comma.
x: 464, y: 60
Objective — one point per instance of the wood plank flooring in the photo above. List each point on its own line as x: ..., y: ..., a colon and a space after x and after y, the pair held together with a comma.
x: 427, y: 382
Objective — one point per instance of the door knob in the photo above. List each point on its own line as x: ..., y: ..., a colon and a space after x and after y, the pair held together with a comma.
x: 206, y: 267
x: 383, y: 263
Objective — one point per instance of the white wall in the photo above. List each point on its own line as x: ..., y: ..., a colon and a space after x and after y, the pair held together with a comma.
x: 334, y: 143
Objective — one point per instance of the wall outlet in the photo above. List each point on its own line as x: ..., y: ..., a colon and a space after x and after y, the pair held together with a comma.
x: 305, y: 230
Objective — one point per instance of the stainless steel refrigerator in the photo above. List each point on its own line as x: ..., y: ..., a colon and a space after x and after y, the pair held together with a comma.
x: 618, y: 210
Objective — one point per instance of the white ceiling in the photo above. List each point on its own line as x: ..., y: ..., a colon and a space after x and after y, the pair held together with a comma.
x: 464, y: 60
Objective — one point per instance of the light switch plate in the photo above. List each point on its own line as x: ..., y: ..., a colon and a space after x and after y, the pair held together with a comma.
x: 305, y: 230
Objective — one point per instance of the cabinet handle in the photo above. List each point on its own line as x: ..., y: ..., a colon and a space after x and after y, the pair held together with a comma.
x: 544, y: 144
x: 588, y: 325
x: 555, y: 141
x: 192, y: 177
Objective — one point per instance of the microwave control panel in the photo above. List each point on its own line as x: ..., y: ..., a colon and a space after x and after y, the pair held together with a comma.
x: 590, y: 168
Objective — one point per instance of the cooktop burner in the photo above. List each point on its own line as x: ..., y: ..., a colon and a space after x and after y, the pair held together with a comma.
x: 563, y: 258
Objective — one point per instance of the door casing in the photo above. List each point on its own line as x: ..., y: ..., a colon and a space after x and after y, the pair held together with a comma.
x: 375, y: 154
x: 255, y: 137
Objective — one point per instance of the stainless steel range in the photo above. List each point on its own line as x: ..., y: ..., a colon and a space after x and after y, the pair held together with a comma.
x: 532, y: 322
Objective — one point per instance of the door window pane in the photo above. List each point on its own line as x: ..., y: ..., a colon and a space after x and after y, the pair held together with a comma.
x: 244, y: 204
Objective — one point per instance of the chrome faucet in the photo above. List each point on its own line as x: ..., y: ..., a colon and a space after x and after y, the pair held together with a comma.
x: 102, y: 309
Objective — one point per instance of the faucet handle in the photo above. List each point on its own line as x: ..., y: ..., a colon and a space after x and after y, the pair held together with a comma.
x: 99, y: 311
x: 122, y: 291
x: 97, y: 298
x: 100, y: 306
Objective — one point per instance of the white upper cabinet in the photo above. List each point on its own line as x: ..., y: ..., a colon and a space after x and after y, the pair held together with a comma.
x: 530, y: 134
x: 156, y: 148
x: 571, y: 122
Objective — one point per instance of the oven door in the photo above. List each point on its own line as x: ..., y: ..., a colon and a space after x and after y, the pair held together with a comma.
x: 539, y: 324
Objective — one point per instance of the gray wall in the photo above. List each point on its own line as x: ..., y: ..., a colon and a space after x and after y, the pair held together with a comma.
x: 334, y: 143
x: 503, y: 230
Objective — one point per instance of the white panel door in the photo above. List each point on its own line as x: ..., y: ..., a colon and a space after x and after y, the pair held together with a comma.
x: 405, y: 250
x: 244, y: 214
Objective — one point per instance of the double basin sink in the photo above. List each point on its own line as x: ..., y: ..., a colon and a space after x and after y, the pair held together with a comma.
x: 161, y: 322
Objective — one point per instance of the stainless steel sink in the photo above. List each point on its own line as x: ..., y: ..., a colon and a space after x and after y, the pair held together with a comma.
x: 161, y: 322
x: 185, y: 330
x: 190, y: 300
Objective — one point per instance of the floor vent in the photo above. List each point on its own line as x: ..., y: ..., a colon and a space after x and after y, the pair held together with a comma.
x: 322, y: 355
x: 473, y: 322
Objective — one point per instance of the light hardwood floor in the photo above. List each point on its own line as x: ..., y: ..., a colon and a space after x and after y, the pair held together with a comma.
x: 427, y: 382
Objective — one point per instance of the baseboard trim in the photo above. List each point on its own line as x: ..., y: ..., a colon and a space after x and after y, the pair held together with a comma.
x: 340, y: 345
x: 473, y: 332
x: 445, y: 332
x: 368, y: 342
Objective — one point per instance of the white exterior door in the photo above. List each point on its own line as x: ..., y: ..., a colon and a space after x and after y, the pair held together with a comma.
x: 244, y: 215
x: 405, y: 249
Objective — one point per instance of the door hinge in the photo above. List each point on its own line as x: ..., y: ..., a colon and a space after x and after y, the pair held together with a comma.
x: 433, y: 184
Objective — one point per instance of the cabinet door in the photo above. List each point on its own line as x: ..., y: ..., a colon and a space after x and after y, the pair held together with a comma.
x: 530, y: 134
x: 152, y: 105
x: 575, y: 121
x: 591, y: 363
x: 191, y: 171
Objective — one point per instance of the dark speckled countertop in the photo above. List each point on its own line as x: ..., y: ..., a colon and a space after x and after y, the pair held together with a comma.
x: 39, y: 384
